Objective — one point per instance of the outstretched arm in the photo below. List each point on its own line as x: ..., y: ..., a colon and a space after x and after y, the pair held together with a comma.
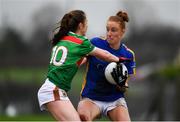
x: 104, y: 55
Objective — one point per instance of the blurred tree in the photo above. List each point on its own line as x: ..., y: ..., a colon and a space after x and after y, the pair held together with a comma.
x: 155, y: 44
x: 151, y: 40
x: 44, y: 20
x: 13, y: 48
x: 12, y: 43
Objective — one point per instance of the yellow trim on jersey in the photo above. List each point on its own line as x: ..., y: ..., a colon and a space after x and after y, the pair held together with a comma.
x: 102, y: 37
x: 84, y: 81
x: 134, y: 69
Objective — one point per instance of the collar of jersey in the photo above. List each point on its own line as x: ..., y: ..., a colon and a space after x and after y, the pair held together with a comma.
x: 121, y: 45
x: 74, y: 34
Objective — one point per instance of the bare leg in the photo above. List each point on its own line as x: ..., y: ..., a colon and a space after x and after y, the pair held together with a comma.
x: 63, y: 110
x: 120, y: 113
x: 87, y: 110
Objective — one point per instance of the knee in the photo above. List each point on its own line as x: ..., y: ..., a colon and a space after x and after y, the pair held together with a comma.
x: 84, y: 116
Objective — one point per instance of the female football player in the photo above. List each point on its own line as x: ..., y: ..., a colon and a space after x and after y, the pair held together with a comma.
x: 69, y: 46
x: 98, y: 96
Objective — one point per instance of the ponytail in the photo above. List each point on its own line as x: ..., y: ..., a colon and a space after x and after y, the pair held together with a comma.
x: 69, y: 22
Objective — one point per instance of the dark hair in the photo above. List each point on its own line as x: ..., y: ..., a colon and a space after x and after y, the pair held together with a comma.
x: 69, y: 22
x: 121, y: 17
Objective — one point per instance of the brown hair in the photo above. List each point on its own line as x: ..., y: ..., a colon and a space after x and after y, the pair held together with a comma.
x: 69, y: 22
x: 121, y: 17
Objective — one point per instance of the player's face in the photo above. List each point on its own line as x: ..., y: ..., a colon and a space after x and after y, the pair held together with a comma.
x: 114, y: 32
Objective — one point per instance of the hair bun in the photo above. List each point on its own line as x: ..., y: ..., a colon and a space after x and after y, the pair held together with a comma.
x: 123, y: 15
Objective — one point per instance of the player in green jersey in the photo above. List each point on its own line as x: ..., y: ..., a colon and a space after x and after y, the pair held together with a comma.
x: 69, y: 47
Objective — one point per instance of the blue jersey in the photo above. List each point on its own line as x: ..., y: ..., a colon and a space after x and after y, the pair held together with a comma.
x: 95, y: 85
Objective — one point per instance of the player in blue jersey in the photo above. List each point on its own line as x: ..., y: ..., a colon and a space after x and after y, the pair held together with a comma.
x: 99, y: 97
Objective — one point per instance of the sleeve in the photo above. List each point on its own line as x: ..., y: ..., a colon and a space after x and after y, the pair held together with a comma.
x: 131, y: 66
x: 86, y: 47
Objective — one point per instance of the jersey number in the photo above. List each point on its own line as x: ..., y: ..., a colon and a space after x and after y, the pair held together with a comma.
x: 55, y: 52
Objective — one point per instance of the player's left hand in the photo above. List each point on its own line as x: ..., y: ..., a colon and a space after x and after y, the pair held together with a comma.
x: 118, y: 75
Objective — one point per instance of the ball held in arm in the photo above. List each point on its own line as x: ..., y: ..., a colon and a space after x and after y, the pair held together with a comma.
x: 116, y: 73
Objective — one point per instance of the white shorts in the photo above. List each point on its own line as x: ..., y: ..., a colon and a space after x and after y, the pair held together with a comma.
x: 107, y: 106
x: 50, y: 92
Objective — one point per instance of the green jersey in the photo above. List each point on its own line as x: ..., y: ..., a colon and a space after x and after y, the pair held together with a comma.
x: 66, y: 57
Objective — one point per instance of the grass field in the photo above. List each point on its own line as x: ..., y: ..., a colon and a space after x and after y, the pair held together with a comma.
x: 26, y: 74
x: 22, y: 74
x: 38, y: 117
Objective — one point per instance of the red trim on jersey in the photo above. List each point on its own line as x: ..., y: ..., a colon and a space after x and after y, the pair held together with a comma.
x: 72, y: 39
x: 122, y: 59
x: 56, y: 94
x: 79, y: 62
